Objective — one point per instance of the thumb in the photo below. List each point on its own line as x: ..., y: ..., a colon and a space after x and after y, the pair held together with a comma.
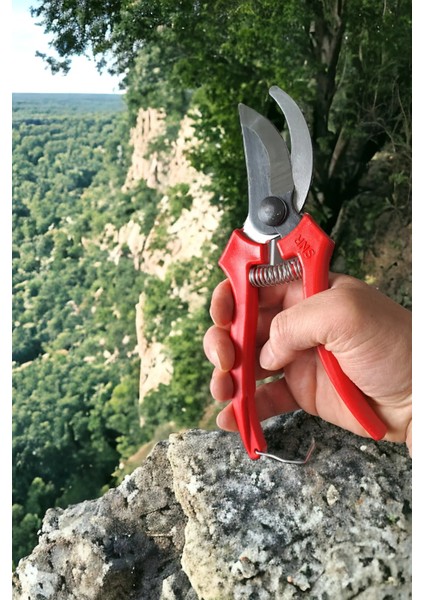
x: 322, y: 319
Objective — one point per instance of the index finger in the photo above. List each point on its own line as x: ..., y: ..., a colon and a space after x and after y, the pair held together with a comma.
x: 280, y: 295
x: 284, y: 295
x: 222, y: 303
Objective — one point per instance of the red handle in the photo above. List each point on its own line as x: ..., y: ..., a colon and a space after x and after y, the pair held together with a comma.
x: 314, y: 249
x: 240, y: 254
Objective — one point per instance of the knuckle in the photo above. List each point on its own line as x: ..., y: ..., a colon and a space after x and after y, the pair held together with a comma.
x: 349, y: 301
x: 279, y: 329
x: 347, y: 310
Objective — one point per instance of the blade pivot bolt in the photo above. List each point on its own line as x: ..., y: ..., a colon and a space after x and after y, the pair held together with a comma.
x: 272, y: 211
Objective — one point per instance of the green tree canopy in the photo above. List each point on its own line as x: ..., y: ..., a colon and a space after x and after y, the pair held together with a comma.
x: 347, y: 63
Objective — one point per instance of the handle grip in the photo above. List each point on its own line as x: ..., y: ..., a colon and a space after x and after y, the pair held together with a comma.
x: 314, y: 248
x: 240, y: 254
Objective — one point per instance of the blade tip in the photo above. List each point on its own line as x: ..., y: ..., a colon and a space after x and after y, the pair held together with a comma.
x: 275, y: 89
x: 247, y: 114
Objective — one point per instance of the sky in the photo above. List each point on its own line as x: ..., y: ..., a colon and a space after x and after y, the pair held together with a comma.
x: 29, y: 73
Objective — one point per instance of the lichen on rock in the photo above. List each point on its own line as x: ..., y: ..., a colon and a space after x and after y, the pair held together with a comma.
x: 200, y: 520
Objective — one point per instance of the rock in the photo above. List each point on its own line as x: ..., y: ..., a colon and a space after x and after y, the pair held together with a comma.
x: 126, y: 544
x: 200, y: 520
x: 174, y: 240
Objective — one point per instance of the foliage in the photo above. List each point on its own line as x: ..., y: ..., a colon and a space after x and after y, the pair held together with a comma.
x: 347, y: 63
x: 183, y: 401
x: 75, y: 375
x: 179, y: 199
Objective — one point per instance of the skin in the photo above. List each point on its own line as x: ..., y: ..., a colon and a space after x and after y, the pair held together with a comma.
x: 369, y: 334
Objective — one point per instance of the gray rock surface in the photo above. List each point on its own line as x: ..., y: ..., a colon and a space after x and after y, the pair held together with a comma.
x: 200, y: 520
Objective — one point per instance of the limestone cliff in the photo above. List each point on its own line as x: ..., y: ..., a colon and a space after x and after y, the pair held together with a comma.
x: 174, y: 238
x: 200, y: 520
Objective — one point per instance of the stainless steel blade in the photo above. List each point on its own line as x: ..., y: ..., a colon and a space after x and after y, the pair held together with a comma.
x: 269, y: 171
x: 301, y: 154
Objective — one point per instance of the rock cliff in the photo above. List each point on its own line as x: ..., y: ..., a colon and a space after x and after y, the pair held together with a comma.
x: 200, y: 520
x: 177, y: 237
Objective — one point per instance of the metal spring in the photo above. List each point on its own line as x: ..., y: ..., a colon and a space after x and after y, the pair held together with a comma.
x: 267, y: 275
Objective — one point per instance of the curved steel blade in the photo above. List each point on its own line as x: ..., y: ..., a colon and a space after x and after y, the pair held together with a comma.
x: 301, y: 146
x: 269, y: 172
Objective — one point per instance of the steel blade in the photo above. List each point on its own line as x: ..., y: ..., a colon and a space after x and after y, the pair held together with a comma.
x: 301, y: 154
x: 268, y: 166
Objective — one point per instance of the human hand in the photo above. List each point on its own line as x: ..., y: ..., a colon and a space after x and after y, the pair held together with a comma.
x: 369, y: 334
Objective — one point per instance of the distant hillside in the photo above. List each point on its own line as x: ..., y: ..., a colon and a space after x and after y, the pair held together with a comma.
x: 75, y: 369
x: 65, y: 103
x: 114, y: 260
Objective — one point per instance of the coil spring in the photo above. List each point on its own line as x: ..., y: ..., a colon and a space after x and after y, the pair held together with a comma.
x: 267, y: 275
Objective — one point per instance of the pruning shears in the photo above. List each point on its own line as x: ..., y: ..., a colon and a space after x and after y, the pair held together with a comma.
x: 278, y: 244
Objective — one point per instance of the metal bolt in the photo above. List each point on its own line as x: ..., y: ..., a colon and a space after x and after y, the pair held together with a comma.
x: 272, y: 211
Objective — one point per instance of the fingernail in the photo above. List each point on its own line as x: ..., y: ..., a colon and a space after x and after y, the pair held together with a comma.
x: 216, y: 359
x: 219, y: 420
x: 266, y: 357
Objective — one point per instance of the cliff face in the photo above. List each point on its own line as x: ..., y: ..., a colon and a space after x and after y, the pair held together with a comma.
x: 174, y: 239
x: 200, y: 520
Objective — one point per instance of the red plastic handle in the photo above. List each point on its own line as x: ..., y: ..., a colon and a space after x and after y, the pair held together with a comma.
x: 314, y: 249
x: 240, y: 254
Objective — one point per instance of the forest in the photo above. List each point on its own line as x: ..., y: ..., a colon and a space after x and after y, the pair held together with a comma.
x: 76, y: 411
x: 67, y: 418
